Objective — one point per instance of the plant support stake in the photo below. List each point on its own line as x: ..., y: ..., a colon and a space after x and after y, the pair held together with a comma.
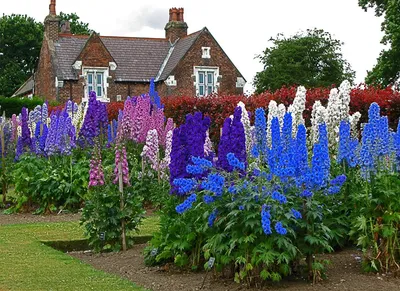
x: 121, y: 191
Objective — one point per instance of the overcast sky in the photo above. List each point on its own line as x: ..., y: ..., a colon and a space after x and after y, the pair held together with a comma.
x: 242, y: 28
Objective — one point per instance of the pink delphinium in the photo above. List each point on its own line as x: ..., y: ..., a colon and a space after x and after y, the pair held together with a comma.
x: 164, y: 164
x: 96, y: 175
x: 126, y: 123
x: 208, y: 147
x: 142, y: 120
x: 121, y: 158
x: 151, y: 148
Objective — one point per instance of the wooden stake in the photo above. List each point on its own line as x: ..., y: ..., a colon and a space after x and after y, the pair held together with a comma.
x: 121, y: 191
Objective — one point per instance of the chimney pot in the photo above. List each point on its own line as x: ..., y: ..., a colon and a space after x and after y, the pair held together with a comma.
x: 181, y: 10
x: 52, y: 7
x: 174, y: 14
x: 66, y: 27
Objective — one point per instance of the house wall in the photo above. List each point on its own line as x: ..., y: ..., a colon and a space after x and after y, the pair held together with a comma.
x: 44, y: 76
x: 184, y: 70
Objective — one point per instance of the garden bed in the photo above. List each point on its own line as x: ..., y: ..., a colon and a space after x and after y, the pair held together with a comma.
x: 344, y: 273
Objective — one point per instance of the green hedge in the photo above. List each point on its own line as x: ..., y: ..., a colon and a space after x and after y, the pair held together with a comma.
x: 14, y: 105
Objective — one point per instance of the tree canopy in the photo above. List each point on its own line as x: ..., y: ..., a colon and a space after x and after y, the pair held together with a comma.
x: 20, y: 42
x: 312, y: 59
x: 387, y: 70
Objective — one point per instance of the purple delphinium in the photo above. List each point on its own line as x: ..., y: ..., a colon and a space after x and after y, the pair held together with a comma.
x: 121, y: 158
x: 26, y: 133
x: 95, y: 122
x: 233, y: 140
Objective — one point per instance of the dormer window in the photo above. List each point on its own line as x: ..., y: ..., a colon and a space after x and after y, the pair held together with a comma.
x: 96, y: 80
x: 205, y: 52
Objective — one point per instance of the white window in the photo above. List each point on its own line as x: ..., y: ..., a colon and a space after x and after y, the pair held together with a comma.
x: 205, y: 52
x: 96, y: 80
x: 206, y: 80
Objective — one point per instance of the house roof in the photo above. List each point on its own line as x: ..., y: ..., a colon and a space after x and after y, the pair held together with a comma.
x: 27, y: 87
x: 138, y: 59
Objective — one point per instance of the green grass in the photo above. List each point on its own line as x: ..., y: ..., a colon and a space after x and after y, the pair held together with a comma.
x: 28, y: 264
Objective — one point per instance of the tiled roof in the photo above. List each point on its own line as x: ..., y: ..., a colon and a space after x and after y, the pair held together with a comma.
x: 26, y: 88
x: 138, y: 59
x: 180, y: 49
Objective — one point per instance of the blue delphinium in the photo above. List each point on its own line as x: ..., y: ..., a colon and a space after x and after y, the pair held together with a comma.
x: 234, y: 162
x: 279, y: 197
x: 280, y: 229
x: 306, y: 194
x: 214, y: 183
x: 212, y: 217
x: 333, y: 190
x: 367, y: 159
x: 301, y: 152
x: 260, y: 125
x: 208, y: 199
x: 266, y: 220
x: 320, y: 162
x: 276, y: 147
x: 296, y: 213
x: 184, y: 185
x: 396, y: 142
x: 339, y: 180
x: 347, y: 145
x: 187, y: 204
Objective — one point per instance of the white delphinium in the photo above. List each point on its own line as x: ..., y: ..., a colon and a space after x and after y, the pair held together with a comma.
x: 344, y: 100
x: 354, y: 119
x: 246, y: 125
x: 281, y: 114
x: 297, y: 108
x: 272, y: 112
x: 333, y: 121
x: 319, y: 115
x: 78, y: 118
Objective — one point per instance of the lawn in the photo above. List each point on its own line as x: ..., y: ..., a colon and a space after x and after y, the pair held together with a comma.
x: 28, y: 264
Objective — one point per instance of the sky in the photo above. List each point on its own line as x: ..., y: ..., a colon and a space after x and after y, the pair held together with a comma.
x: 242, y: 28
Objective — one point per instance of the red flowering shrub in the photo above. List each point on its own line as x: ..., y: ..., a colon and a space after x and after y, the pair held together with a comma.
x: 55, y: 108
x: 220, y: 107
x: 113, y: 109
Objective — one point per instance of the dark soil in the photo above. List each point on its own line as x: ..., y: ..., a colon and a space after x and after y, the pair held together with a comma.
x: 344, y: 273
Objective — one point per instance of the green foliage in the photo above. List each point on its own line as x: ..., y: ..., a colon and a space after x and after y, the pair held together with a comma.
x: 236, y: 238
x: 180, y: 237
x: 102, y: 216
x: 14, y: 105
x: 48, y: 184
x: 387, y: 70
x: 376, y: 224
x: 77, y: 26
x: 312, y: 59
x: 20, y: 42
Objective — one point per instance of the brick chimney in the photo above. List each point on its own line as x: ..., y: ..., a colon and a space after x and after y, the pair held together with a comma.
x: 52, y: 22
x: 176, y: 27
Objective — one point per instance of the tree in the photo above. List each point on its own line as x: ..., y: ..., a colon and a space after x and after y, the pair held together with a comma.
x: 20, y: 42
x: 387, y: 70
x: 311, y: 59
x: 77, y: 27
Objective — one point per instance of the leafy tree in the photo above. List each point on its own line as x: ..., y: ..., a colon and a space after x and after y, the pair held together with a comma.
x: 312, y: 59
x: 387, y: 69
x: 20, y: 42
x: 77, y: 27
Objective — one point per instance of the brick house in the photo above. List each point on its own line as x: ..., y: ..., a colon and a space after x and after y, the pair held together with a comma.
x: 70, y: 66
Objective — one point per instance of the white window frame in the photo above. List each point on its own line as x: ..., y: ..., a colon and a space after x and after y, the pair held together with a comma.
x: 198, y: 82
x: 206, y: 52
x: 104, y: 86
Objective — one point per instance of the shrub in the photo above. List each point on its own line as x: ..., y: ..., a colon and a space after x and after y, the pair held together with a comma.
x: 14, y: 105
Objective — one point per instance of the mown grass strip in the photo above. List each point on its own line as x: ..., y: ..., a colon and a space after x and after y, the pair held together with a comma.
x: 28, y: 264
